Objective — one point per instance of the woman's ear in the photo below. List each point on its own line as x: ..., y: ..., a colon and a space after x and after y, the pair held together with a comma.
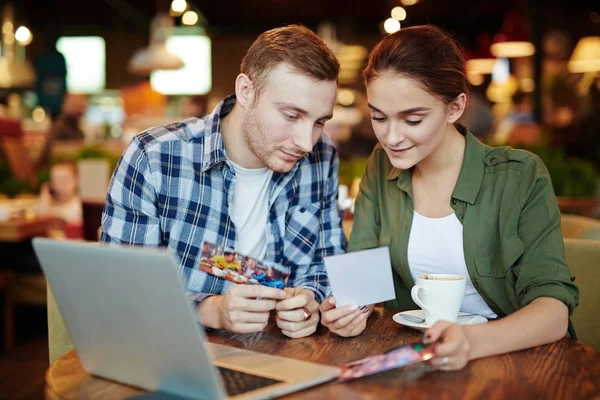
x: 456, y: 108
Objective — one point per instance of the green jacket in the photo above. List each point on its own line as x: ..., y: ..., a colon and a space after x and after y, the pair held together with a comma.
x: 512, y: 241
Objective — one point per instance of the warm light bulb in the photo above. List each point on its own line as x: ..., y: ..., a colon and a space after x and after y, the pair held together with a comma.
x: 178, y: 6
x: 38, y: 114
x: 399, y: 13
x: 23, y: 35
x: 346, y: 97
x: 189, y: 18
x: 7, y: 27
x: 391, y: 25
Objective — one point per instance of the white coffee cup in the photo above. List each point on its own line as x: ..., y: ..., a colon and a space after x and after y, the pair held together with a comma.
x: 440, y: 296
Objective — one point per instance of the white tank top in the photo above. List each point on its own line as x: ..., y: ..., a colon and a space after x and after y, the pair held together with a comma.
x: 435, y: 246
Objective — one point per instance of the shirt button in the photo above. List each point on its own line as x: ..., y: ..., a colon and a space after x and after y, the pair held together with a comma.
x: 461, y: 216
x: 454, y: 202
x: 572, y: 279
x: 493, y: 159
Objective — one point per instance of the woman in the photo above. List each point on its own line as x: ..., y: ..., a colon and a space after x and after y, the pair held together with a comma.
x: 444, y: 202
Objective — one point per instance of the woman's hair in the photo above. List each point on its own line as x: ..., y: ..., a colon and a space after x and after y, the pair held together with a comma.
x: 426, y: 54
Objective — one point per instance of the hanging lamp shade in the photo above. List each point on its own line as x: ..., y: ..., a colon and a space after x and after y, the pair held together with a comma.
x: 586, y: 56
x: 512, y: 41
x: 14, y: 73
x: 480, y: 61
x: 156, y: 56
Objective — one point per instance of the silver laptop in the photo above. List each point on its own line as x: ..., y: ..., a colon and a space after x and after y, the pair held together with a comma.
x: 130, y: 320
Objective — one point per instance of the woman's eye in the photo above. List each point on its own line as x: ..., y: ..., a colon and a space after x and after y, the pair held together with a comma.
x: 290, y: 116
x: 413, y: 123
x: 378, y: 119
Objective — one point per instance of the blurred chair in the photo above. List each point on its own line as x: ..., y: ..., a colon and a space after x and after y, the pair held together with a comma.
x: 92, y: 220
x: 583, y: 258
x: 580, y: 205
x: 577, y: 227
x: 94, y: 176
x: 7, y: 278
x: 11, y: 141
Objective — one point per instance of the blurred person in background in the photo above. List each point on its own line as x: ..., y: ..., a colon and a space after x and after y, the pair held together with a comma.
x: 519, y: 127
x: 480, y: 119
x: 587, y: 142
x: 560, y: 99
x: 59, y: 197
x: 257, y: 175
x: 65, y: 127
x: 51, y: 71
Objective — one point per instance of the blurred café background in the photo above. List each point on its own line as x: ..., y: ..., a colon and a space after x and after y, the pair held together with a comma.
x: 79, y: 79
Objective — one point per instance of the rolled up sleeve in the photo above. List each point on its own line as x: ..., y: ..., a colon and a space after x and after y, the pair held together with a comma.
x: 542, y: 270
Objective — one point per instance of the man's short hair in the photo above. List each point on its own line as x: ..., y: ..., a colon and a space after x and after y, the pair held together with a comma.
x: 296, y: 46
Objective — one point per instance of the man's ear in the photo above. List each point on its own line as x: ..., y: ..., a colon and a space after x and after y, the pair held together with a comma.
x: 456, y: 108
x: 244, y: 90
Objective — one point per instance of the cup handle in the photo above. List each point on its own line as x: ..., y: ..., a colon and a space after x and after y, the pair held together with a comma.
x: 415, y: 296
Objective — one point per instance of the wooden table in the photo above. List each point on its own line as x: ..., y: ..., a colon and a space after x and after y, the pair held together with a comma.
x: 563, y: 370
x: 19, y: 229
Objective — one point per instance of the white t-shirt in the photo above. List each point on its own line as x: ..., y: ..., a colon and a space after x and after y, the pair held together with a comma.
x: 249, y: 209
x: 435, y: 246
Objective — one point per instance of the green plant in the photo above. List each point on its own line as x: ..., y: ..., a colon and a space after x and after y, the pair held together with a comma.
x: 571, y: 177
x: 351, y: 168
x: 97, y: 152
x: 10, y: 185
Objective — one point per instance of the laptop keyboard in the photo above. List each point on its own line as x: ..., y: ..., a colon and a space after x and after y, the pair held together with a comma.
x: 237, y: 382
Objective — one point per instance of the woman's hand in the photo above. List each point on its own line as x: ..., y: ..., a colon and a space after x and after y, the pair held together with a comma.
x: 453, y: 349
x: 345, y: 321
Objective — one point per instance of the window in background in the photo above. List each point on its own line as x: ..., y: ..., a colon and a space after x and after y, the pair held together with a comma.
x: 86, y: 63
x: 195, y: 77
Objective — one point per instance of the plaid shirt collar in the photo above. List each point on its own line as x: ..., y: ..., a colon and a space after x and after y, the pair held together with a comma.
x: 214, y: 148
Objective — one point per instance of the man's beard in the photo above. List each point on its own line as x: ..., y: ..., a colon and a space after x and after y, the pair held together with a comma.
x: 255, y: 137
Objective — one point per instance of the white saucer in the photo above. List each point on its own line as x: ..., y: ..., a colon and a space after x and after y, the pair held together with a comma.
x: 423, y: 326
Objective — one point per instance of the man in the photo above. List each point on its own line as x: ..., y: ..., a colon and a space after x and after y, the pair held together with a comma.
x: 257, y: 174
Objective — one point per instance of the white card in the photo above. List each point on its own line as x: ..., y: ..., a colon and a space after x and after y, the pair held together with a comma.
x: 361, y: 278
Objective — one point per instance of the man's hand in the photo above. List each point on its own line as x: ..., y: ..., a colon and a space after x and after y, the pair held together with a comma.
x: 243, y: 309
x: 292, y: 316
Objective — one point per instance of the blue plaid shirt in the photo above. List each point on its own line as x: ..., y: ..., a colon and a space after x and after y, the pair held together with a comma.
x: 173, y: 187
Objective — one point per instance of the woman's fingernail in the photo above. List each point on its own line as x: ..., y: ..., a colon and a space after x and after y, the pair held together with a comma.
x: 364, y: 309
x: 353, y: 307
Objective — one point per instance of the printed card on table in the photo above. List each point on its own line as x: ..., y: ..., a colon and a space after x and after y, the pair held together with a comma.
x: 395, y: 358
x: 228, y: 264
